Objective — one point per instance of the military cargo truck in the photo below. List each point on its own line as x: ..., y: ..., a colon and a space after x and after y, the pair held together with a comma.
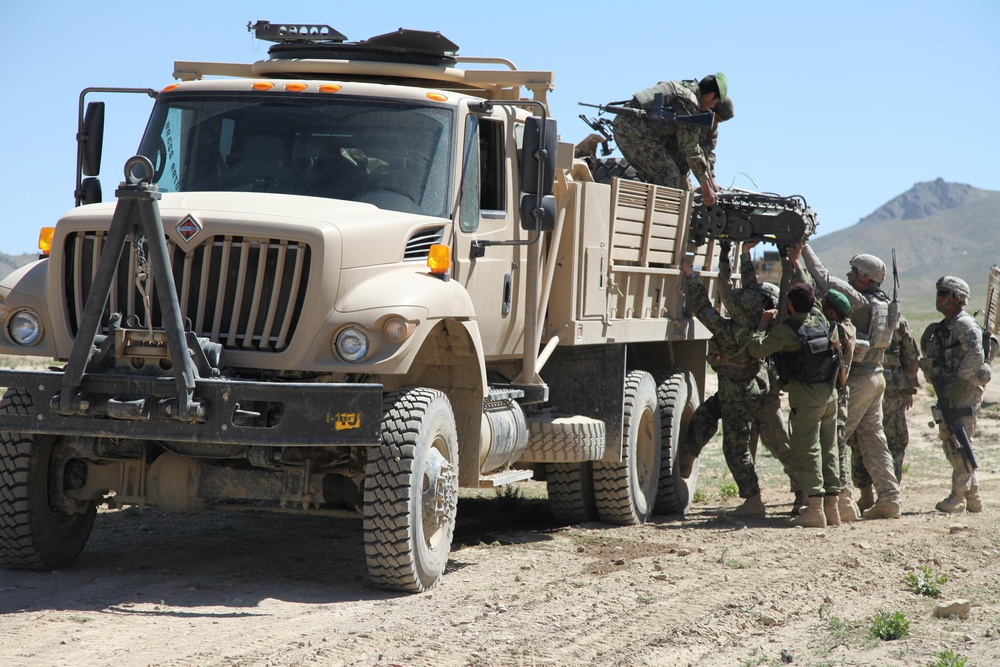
x: 348, y: 280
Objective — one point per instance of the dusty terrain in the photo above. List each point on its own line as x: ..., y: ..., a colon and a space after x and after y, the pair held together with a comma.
x: 278, y: 589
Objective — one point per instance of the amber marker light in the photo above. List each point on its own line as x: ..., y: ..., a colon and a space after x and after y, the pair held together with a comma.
x: 172, y: 86
x: 439, y: 259
x: 330, y: 88
x: 396, y: 329
x: 295, y: 87
x: 45, y: 239
x: 263, y: 85
x: 437, y: 97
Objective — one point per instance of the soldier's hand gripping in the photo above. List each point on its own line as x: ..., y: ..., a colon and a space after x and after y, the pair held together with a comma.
x: 708, y: 197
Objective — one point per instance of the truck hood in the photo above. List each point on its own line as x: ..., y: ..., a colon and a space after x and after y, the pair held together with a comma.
x: 369, y: 235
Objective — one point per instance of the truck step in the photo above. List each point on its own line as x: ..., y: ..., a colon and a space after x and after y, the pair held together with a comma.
x: 505, y: 477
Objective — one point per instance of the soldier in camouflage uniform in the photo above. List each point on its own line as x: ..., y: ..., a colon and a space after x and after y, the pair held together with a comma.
x: 742, y: 385
x: 900, y: 370
x: 664, y: 155
x: 955, y: 363
x: 768, y: 425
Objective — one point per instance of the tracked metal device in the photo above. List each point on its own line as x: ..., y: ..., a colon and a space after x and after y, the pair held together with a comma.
x: 740, y: 215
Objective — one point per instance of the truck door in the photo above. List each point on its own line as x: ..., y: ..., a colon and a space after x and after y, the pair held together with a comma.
x: 495, y: 281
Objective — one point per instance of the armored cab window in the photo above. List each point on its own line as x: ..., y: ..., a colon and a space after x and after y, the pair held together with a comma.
x: 484, y: 176
x: 391, y: 154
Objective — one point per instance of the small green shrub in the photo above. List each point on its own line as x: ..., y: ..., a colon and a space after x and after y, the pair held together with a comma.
x: 886, y: 626
x: 926, y: 582
x: 948, y: 658
x: 699, y: 496
x: 729, y: 490
x: 509, y: 496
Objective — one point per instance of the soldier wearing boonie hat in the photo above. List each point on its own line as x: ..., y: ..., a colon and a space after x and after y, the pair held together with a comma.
x: 955, y: 362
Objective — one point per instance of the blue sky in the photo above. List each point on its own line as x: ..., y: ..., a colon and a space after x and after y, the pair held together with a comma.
x: 845, y: 103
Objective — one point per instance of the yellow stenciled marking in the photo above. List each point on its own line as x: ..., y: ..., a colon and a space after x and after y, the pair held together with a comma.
x: 344, y: 420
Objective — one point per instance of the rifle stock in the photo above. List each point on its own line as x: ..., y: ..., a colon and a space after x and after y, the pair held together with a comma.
x: 952, y: 420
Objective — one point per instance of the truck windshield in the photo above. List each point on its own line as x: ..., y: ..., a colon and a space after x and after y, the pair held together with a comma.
x: 393, y: 155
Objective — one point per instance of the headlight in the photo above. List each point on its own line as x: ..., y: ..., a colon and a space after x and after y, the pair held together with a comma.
x: 352, y: 344
x: 25, y: 327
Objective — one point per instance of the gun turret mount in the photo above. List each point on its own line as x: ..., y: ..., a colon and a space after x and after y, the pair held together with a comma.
x: 321, y: 42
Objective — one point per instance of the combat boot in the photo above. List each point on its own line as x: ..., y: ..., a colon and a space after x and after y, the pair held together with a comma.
x: 867, y: 498
x: 882, y: 509
x: 752, y: 507
x: 812, y: 516
x: 973, y: 503
x: 831, y: 510
x: 798, y: 503
x: 952, y: 504
x: 685, y: 464
x: 848, y: 509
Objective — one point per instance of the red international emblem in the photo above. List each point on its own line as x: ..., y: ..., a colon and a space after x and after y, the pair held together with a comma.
x: 188, y: 227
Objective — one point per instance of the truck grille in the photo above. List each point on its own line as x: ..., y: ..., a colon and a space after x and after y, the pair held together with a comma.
x: 243, y: 293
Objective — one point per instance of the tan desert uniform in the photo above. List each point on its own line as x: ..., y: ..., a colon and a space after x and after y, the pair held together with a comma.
x: 954, y: 359
x: 866, y: 385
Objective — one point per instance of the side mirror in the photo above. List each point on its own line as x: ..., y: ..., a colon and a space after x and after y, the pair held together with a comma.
x: 544, y: 207
x: 91, y: 139
x: 537, y: 156
x: 90, y: 191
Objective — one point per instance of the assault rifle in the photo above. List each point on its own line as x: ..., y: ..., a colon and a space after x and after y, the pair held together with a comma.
x: 952, y: 419
x: 603, y: 127
x: 658, y: 115
x: 894, y: 304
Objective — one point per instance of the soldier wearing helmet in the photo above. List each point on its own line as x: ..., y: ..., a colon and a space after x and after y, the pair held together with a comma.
x: 865, y: 383
x: 767, y: 423
x: 901, y: 370
x: 665, y: 155
x: 954, y: 361
x: 742, y: 385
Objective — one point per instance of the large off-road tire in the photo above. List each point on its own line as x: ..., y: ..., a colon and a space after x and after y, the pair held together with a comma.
x: 563, y: 439
x: 678, y: 399
x: 411, y: 491
x: 625, y: 491
x: 34, y: 534
x: 571, y: 492
x: 613, y: 167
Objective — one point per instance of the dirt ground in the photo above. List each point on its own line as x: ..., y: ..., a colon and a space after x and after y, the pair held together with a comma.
x: 235, y: 590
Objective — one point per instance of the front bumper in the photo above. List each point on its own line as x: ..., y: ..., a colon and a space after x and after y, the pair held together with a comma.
x: 313, y: 414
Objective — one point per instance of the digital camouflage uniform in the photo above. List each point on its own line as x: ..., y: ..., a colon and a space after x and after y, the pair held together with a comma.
x: 768, y: 424
x: 742, y: 382
x: 664, y: 155
x: 953, y: 358
x: 865, y: 383
x: 900, y: 371
x: 813, y: 416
